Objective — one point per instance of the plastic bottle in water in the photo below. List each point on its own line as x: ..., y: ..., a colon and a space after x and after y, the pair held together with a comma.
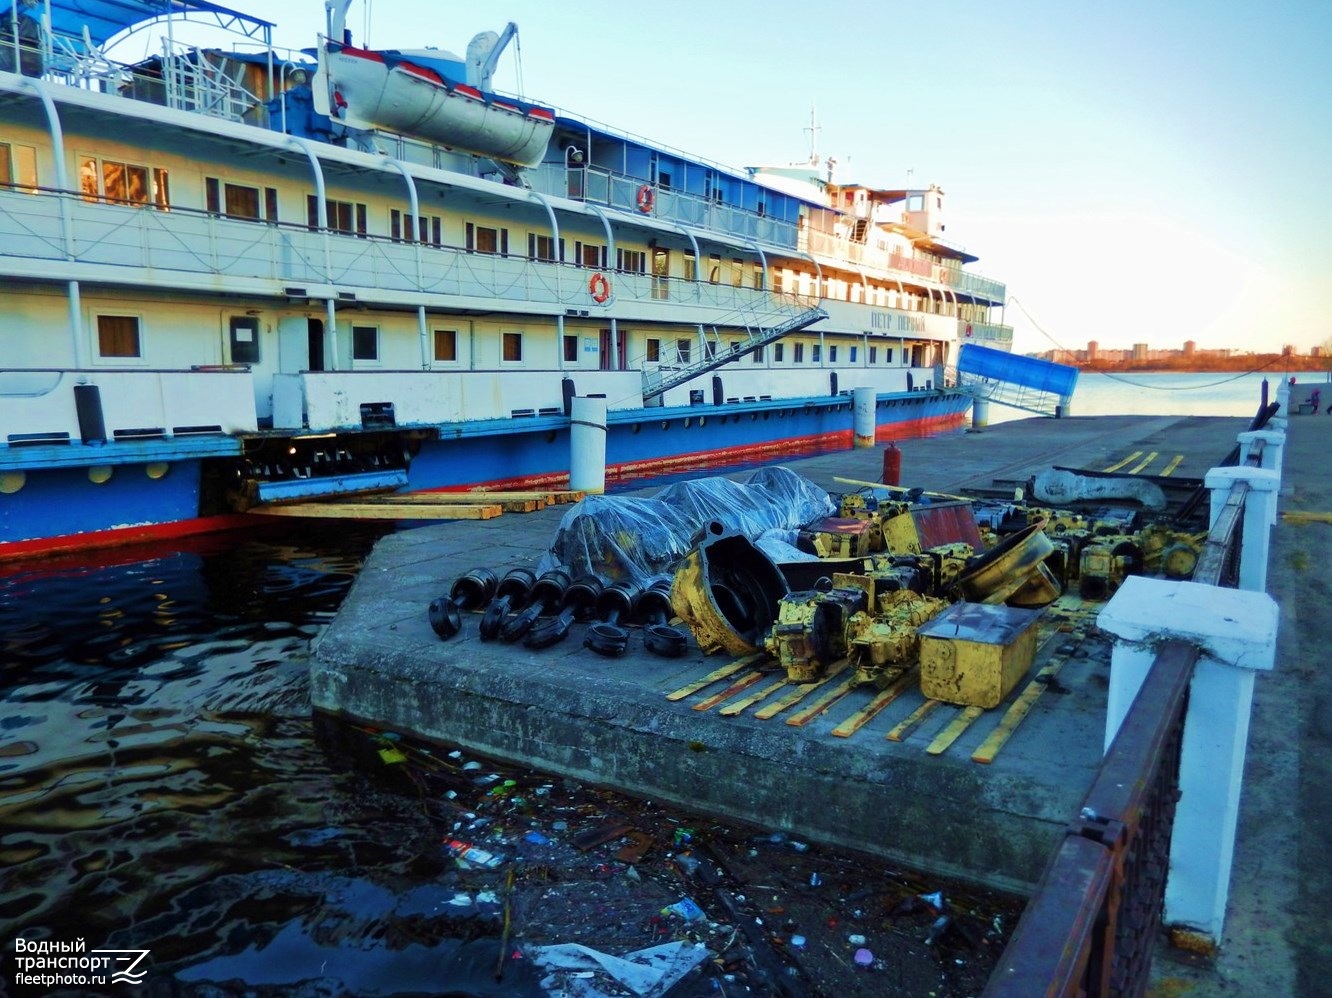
x: 472, y: 855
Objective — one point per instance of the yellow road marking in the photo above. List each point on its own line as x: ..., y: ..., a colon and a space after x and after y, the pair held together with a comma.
x: 716, y: 676
x: 950, y: 734
x: 1170, y: 468
x: 1299, y: 516
x: 1132, y: 457
x: 915, y: 717
x: 863, y: 716
x: 1143, y: 463
x: 803, y: 717
x: 799, y: 693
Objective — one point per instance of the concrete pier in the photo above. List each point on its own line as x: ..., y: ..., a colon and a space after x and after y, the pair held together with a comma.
x: 569, y: 711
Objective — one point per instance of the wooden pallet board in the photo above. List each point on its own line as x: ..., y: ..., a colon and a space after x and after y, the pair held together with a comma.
x: 739, y: 686
x: 819, y: 706
x: 881, y: 700
x: 743, y: 704
x: 803, y: 690
x: 908, y: 723
x: 716, y: 676
x: 954, y: 730
x: 998, y: 738
x: 379, y: 511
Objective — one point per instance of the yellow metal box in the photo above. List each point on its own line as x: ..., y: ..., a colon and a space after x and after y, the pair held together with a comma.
x: 975, y: 653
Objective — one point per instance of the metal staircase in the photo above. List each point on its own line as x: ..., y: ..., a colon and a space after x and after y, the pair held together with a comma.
x: 795, y: 314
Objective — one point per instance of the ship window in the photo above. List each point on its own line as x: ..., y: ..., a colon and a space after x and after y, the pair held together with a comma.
x: 714, y: 268
x: 18, y: 167
x: 543, y: 248
x: 118, y: 336
x: 244, y: 339
x: 588, y: 255
x: 401, y: 227
x: 343, y: 216
x: 631, y: 261
x: 571, y: 349
x: 816, y: 353
x: 122, y: 183
x: 512, y: 348
x: 778, y: 352
x: 446, y: 346
x: 653, y: 351
x: 690, y: 267
x: 365, y: 343
x: 832, y: 354
x: 778, y: 278
x: 874, y: 355
x: 758, y: 276
x: 238, y: 200
x: 663, y: 180
x: 483, y: 239
x: 682, y: 348
x: 737, y: 272
x: 887, y: 355
x: 757, y: 355
x: 270, y: 204
x: 799, y: 357
x: 854, y: 352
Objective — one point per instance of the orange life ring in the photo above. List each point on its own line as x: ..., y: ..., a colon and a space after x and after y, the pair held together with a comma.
x: 646, y: 199
x: 599, y: 288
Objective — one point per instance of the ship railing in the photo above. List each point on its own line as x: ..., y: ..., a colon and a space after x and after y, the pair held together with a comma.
x: 634, y: 196
x: 987, y: 334
x: 888, y: 264
x: 137, y: 238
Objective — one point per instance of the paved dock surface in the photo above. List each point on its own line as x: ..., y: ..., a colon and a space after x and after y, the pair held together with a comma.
x: 566, y: 710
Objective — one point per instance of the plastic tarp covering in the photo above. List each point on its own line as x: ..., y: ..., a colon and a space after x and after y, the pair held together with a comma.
x: 623, y: 538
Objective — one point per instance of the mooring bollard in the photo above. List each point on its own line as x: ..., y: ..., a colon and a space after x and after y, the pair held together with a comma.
x: 587, y: 445
x: 864, y: 401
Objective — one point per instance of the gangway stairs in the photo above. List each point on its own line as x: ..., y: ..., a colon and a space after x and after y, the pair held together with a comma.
x: 793, y: 314
x: 1038, y: 386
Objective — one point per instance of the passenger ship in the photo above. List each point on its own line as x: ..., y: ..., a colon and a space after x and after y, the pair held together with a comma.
x: 234, y: 275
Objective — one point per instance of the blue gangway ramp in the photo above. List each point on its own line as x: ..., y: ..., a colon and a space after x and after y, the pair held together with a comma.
x: 1039, y: 386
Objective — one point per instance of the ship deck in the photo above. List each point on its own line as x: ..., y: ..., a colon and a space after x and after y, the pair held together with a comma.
x: 945, y: 794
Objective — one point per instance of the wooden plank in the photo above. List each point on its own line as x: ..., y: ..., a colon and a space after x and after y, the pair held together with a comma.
x: 914, y: 718
x: 739, y: 686
x: 998, y: 738
x: 803, y: 717
x: 954, y: 730
x: 801, y: 691
x: 1136, y: 469
x: 741, y: 705
x: 540, y: 495
x: 416, y: 499
x: 716, y: 675
x: 1169, y: 469
x: 1132, y: 457
x: 377, y: 511
x: 894, y: 488
x: 867, y: 713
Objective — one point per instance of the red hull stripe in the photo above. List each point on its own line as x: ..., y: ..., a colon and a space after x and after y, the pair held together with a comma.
x: 123, y: 535
x: 540, y: 112
x: 369, y: 54
x: 423, y: 72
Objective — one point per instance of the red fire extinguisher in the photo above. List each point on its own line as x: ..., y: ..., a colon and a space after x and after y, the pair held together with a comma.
x: 892, y: 464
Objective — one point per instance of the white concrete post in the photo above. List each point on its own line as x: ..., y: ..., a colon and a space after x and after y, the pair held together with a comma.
x: 1236, y: 634
x: 587, y: 445
x: 864, y: 403
x: 1273, y: 448
x: 1259, y: 515
x: 980, y: 414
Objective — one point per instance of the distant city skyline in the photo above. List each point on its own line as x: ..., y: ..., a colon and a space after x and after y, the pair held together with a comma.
x: 1128, y: 170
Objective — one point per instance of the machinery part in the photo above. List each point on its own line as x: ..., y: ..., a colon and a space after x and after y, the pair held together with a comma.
x: 727, y: 591
x: 881, y: 645
x: 511, y: 594
x: 582, y: 595
x: 668, y: 642
x: 468, y: 592
x: 974, y: 654
x: 576, y: 603
x: 1013, y: 569
x: 1105, y: 564
x: 810, y: 631
x: 547, y: 594
x: 1062, y: 487
x: 610, y: 640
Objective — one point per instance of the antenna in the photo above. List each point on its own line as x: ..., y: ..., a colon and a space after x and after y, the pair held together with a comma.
x: 813, y: 129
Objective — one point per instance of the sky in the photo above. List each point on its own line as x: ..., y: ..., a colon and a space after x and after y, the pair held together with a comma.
x: 1133, y: 171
